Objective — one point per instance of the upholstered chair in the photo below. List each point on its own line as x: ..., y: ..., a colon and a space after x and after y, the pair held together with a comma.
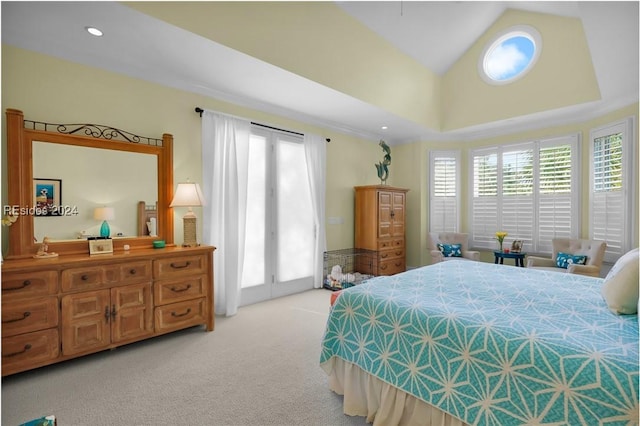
x: 447, y: 239
x: 570, y: 251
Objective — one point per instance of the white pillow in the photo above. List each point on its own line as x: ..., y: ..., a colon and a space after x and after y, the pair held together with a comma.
x: 620, y: 288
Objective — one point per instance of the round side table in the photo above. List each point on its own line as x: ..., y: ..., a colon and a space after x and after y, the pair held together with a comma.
x: 501, y: 256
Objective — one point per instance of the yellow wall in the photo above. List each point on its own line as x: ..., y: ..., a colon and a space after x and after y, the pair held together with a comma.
x: 53, y: 90
x: 346, y: 55
x: 410, y: 170
x: 58, y: 91
x: 562, y: 76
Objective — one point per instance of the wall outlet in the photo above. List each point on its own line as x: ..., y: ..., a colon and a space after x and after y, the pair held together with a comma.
x: 335, y: 220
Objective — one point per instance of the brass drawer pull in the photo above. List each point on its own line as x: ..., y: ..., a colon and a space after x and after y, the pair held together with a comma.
x: 383, y: 267
x: 107, y: 314
x: 113, y: 312
x: 26, y: 348
x: 25, y: 283
x: 84, y: 277
x: 180, y: 290
x: 24, y: 317
x: 384, y: 255
x: 176, y: 266
x: 173, y: 314
x: 132, y: 271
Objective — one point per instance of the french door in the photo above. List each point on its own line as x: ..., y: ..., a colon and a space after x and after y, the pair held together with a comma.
x: 279, y: 238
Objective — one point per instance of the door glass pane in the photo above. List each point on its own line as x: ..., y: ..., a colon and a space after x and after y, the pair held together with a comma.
x: 254, y: 255
x: 295, y: 215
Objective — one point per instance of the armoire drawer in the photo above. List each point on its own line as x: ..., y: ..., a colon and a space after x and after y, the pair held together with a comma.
x: 22, y: 285
x: 29, y: 315
x: 391, y: 267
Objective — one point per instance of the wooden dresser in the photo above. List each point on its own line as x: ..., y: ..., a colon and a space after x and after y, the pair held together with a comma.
x: 65, y: 307
x: 380, y: 225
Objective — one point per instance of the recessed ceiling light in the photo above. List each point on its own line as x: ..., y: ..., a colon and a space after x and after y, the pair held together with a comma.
x: 94, y: 31
x: 384, y: 127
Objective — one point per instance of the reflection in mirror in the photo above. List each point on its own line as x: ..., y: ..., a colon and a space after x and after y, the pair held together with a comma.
x: 91, y: 178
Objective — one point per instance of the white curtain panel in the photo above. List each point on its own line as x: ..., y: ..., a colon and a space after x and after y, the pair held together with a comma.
x: 315, y: 149
x: 225, y: 159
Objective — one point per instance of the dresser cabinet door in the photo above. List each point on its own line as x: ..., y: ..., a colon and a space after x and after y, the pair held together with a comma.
x: 131, y: 312
x: 86, y: 319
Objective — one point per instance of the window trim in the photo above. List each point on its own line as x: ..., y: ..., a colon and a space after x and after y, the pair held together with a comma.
x: 514, y: 31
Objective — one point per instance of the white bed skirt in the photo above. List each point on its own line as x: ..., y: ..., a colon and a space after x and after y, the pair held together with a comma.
x: 381, y: 403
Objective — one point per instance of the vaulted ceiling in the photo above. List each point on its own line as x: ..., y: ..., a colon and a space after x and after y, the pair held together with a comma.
x: 355, y: 66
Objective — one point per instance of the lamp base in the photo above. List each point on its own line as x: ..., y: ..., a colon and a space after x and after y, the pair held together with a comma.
x: 104, y: 230
x: 190, y: 235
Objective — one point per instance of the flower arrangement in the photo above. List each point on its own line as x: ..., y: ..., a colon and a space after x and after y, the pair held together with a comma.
x: 500, y: 237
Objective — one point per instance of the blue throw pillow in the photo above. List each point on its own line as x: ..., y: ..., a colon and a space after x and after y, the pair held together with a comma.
x: 450, y: 250
x: 563, y: 260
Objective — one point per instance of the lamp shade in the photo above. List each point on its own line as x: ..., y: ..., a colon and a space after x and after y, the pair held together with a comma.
x: 187, y: 195
x: 104, y: 213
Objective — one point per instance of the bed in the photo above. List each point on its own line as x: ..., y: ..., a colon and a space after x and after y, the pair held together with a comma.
x: 476, y: 343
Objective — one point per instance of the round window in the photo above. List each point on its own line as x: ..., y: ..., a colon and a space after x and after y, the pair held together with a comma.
x: 510, y: 55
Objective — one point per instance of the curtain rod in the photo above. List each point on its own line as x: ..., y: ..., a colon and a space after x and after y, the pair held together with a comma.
x: 200, y: 111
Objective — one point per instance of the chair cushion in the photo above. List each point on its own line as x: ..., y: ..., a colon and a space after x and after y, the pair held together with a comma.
x: 450, y: 250
x: 620, y: 288
x: 563, y: 260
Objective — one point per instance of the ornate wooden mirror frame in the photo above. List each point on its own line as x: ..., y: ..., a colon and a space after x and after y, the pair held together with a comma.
x: 22, y: 133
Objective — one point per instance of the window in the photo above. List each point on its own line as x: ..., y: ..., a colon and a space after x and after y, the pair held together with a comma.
x: 444, y: 190
x: 528, y: 190
x: 611, y: 187
x: 510, y: 55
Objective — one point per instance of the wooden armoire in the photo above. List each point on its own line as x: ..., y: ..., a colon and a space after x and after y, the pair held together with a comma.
x: 380, y: 226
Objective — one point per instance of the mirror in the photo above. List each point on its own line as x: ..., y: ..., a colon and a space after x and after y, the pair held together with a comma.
x: 85, y: 179
x: 85, y: 167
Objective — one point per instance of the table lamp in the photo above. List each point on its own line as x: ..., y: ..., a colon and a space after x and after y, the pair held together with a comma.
x: 104, y: 214
x: 188, y: 195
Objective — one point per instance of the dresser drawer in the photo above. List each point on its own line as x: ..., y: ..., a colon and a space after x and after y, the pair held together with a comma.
x: 28, y: 284
x: 171, y: 291
x: 23, y: 351
x: 89, y: 278
x: 177, y: 266
x: 29, y: 315
x: 134, y: 272
x: 180, y: 315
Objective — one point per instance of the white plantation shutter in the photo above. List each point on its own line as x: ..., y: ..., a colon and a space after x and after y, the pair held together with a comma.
x: 444, y: 199
x: 517, y: 192
x: 484, y: 217
x: 557, y: 160
x: 610, y: 187
x: 528, y: 190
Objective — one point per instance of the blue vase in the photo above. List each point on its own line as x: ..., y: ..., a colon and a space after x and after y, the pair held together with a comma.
x: 104, y: 229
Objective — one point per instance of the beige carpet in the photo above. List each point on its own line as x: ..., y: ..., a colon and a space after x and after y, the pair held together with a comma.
x: 259, y: 367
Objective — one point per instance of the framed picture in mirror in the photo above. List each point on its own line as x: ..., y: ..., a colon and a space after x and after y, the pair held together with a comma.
x: 100, y: 246
x: 47, y: 196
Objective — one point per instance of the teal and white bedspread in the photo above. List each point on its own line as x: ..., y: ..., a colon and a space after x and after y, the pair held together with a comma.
x: 493, y: 344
